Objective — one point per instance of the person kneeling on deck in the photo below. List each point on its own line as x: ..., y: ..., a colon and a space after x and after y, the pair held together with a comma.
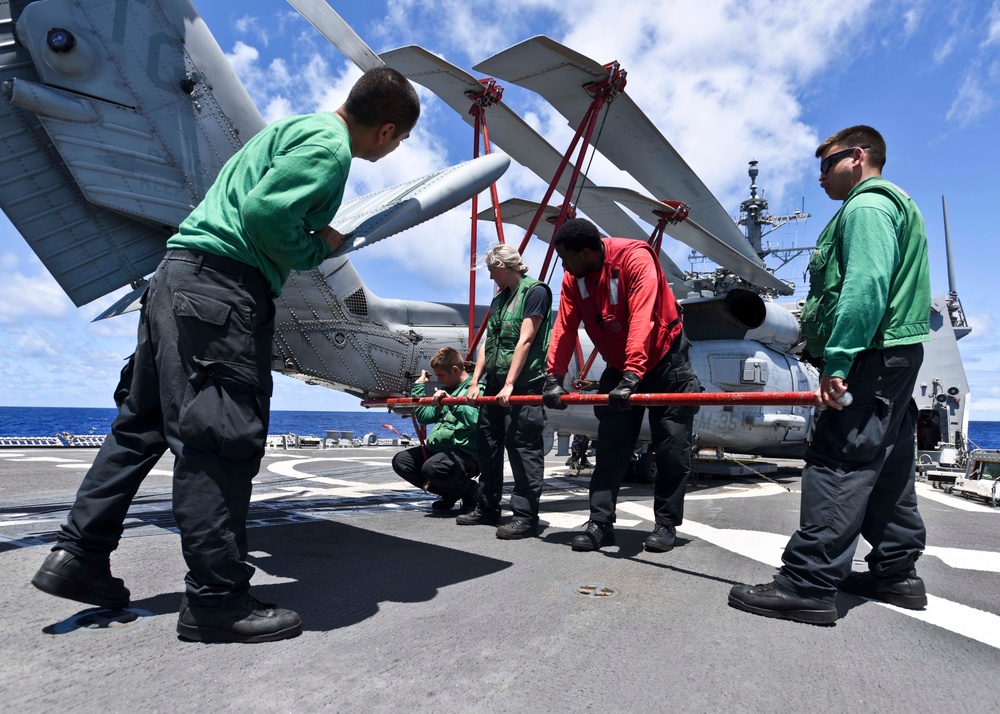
x: 616, y: 288
x: 448, y: 468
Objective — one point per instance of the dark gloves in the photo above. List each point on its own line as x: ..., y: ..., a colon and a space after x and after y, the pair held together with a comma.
x: 552, y: 391
x: 618, y: 397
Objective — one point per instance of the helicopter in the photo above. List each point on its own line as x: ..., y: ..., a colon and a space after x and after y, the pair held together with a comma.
x: 118, y: 116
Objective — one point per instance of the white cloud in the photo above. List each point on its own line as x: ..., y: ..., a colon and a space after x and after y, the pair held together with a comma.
x: 993, y: 26
x: 974, y: 98
x: 29, y: 296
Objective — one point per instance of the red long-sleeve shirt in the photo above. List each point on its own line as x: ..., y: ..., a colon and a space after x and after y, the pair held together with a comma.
x: 627, y: 309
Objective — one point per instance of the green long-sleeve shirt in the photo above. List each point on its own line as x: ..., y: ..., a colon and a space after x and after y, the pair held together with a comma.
x: 454, y: 424
x: 269, y: 199
x: 869, y: 278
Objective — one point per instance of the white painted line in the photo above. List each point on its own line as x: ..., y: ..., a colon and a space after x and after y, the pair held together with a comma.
x: 567, y: 521
x: 961, y: 619
x: 983, y: 560
x: 31, y: 522
x: 767, y: 548
x: 764, y: 489
x: 73, y: 466
x: 53, y: 459
x: 925, y: 491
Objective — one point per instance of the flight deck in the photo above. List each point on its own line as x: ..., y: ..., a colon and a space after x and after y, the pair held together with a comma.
x: 405, y: 610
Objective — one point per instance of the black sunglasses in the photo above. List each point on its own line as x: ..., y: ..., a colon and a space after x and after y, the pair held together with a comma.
x: 826, y: 164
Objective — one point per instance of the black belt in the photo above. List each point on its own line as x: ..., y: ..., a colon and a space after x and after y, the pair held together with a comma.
x: 242, y: 271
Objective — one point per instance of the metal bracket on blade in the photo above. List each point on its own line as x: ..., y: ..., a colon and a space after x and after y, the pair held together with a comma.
x: 491, y: 94
x: 609, y: 88
x: 680, y: 212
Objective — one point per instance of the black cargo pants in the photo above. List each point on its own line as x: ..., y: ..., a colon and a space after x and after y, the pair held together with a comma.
x: 670, y: 431
x: 859, y: 479
x: 199, y: 384
x: 449, y: 473
x: 518, y: 431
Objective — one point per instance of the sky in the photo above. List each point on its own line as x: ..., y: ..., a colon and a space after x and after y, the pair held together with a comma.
x: 725, y: 82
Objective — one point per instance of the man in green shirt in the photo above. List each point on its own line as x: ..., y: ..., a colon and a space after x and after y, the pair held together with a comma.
x: 865, y: 319
x: 199, y: 381
x: 448, y: 465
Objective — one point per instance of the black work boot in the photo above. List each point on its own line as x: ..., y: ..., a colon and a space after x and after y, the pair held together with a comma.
x: 240, y: 619
x: 517, y: 529
x: 595, y: 536
x: 445, y: 503
x: 66, y: 575
x: 661, y: 539
x: 907, y: 591
x: 772, y: 600
x: 476, y: 517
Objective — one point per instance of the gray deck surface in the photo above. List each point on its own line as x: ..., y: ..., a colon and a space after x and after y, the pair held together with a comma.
x: 405, y: 611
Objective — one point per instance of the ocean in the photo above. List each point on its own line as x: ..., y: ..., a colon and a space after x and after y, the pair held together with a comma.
x: 49, y: 421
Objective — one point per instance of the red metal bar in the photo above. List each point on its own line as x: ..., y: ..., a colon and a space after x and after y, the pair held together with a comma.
x: 477, y: 112
x: 479, y: 335
x: 497, y: 219
x: 771, y: 399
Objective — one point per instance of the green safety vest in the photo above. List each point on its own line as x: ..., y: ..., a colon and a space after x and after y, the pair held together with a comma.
x: 504, y: 330
x: 907, y: 315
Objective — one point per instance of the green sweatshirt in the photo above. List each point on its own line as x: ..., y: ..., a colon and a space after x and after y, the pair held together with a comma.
x: 263, y: 209
x: 869, y: 282
x: 454, y: 424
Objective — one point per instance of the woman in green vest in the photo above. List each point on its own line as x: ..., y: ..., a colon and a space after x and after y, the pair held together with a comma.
x: 511, y: 361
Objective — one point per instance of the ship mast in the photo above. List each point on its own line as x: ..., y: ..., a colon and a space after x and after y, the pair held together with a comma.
x: 754, y: 216
x: 955, y: 311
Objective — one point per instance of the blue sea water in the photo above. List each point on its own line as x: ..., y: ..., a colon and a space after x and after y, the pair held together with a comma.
x: 49, y: 421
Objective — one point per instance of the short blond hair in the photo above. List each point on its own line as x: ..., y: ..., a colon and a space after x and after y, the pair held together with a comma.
x: 504, y: 256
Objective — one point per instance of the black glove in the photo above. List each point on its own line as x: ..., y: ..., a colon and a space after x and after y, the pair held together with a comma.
x: 618, y: 397
x: 552, y: 391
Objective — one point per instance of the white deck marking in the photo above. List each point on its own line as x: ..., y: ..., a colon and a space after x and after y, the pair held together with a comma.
x: 767, y: 548
x: 983, y: 560
x: 763, y: 489
x: 31, y: 522
x: 53, y: 459
x: 925, y: 491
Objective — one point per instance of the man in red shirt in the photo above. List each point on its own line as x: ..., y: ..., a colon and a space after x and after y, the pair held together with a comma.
x: 616, y: 288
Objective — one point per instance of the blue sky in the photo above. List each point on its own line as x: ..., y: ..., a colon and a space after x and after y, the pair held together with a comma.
x: 726, y: 82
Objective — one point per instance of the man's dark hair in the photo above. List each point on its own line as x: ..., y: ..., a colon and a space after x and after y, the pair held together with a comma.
x: 447, y: 357
x: 384, y: 96
x: 858, y: 136
x: 577, y: 234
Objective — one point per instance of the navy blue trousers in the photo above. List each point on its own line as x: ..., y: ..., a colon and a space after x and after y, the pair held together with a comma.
x: 199, y: 384
x: 859, y: 480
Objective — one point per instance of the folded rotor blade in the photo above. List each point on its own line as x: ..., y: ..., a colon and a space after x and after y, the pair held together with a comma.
x: 341, y: 35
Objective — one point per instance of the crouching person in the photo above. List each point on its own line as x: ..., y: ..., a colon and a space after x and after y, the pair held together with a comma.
x: 448, y: 469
